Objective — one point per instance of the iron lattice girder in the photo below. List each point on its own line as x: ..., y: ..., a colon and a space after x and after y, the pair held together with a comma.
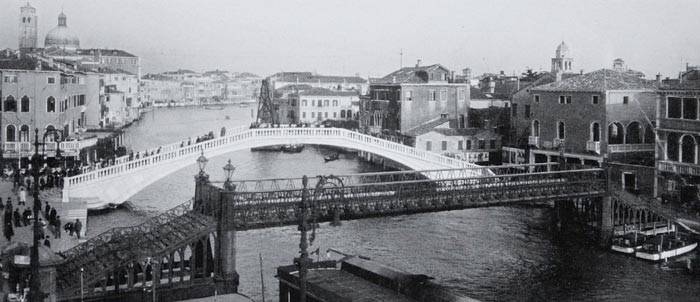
x: 114, y: 249
x: 273, y: 208
x: 277, y: 184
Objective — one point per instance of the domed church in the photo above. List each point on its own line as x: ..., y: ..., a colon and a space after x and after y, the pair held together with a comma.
x: 62, y: 37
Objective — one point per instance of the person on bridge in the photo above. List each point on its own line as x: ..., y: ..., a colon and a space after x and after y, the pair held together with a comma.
x: 8, y: 231
x: 22, y: 196
x: 77, y: 227
x: 57, y: 227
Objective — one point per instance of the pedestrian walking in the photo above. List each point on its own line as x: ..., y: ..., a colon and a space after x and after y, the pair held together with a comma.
x: 47, y: 209
x: 69, y: 228
x: 52, y: 216
x: 77, y: 227
x: 8, y: 231
x: 2, y: 205
x: 17, y: 218
x: 22, y: 196
x: 8, y: 206
x: 57, y: 226
x: 26, y: 216
x: 47, y: 242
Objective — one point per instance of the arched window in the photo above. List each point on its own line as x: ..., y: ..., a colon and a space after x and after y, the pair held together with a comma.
x: 561, y: 130
x: 24, y: 133
x: 10, y: 105
x: 595, y: 132
x: 688, y: 149
x: 24, y: 105
x: 634, y: 133
x: 10, y: 134
x: 50, y: 104
x: 616, y: 133
x: 348, y: 114
x: 672, y: 148
x: 535, y: 128
x: 342, y: 113
x: 51, y: 135
x: 649, y: 136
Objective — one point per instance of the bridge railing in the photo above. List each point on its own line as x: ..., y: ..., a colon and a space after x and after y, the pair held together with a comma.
x: 272, y: 184
x: 174, y: 151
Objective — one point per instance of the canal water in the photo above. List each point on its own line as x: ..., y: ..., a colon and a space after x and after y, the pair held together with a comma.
x: 492, y: 254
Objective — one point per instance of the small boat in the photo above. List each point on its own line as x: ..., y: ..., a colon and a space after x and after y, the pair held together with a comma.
x: 292, y: 148
x: 648, y: 230
x: 331, y: 157
x: 214, y: 107
x: 665, y: 246
x: 628, y: 243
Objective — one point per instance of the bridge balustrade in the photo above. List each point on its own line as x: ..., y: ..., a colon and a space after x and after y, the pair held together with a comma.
x: 174, y: 151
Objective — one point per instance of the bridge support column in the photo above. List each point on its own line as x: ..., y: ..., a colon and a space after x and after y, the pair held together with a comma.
x: 606, y: 221
x: 226, y: 275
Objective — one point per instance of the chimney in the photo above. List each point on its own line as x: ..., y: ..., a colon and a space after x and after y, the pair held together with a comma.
x: 418, y: 63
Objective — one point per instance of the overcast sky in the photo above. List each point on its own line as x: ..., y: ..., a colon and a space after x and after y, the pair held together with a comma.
x: 366, y: 36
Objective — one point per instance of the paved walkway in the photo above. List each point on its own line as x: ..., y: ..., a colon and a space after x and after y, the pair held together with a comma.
x: 24, y: 234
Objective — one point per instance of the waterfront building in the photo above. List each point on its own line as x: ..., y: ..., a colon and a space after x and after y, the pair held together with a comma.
x: 475, y: 145
x: 320, y: 104
x: 601, y: 114
x: 36, y: 96
x: 343, y: 83
x: 158, y: 90
x: 412, y: 96
x: 678, y: 133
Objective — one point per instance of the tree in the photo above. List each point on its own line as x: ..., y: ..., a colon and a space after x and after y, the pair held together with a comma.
x: 529, y: 75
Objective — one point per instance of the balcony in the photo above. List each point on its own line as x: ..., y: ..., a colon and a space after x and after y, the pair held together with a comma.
x: 623, y: 148
x: 679, y: 168
x: 26, y: 149
x: 593, y: 146
x: 533, y: 141
x: 680, y: 124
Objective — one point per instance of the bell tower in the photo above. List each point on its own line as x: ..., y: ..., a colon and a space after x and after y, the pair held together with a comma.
x: 561, y: 62
x: 27, y: 27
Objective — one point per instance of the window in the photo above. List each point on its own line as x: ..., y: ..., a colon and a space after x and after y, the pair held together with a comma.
x: 469, y: 144
x: 10, y: 105
x: 674, y: 108
x: 428, y: 146
x: 536, y: 98
x: 688, y: 147
x: 535, y: 128
x: 594, y: 100
x: 595, y: 132
x: 443, y: 95
x: 24, y: 133
x: 460, y: 145
x: 313, y: 103
x: 561, y: 130
x: 460, y: 94
x: 335, y: 114
x: 319, y: 103
x: 81, y: 100
x: 326, y: 102
x: 51, y: 80
x: 433, y: 95
x: 313, y: 114
x: 10, y: 79
x: 527, y: 111
x: 443, y: 115
x: 568, y: 99
x: 690, y: 109
x: 335, y: 103
x: 303, y: 114
x: 304, y: 103
x: 342, y: 113
x: 319, y: 116
x: 625, y: 100
x: 325, y: 114
x: 515, y: 110
x: 444, y: 145
x: 24, y: 105
x: 409, y: 95
x: 492, y: 144
x: 562, y: 99
x: 482, y: 144
x: 10, y: 133
x: 349, y: 113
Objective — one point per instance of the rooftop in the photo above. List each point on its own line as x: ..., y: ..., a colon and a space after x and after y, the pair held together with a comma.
x: 327, y: 92
x: 308, y: 77
x: 406, y: 75
x: 464, y: 131
x: 600, y: 81
x: 426, y: 127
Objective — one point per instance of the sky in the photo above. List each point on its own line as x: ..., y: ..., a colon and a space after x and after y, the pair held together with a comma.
x: 367, y: 37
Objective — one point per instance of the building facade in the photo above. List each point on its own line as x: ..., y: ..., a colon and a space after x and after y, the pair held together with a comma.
x: 678, y: 131
x: 319, y: 104
x: 340, y: 83
x: 411, y: 97
x: 469, y: 144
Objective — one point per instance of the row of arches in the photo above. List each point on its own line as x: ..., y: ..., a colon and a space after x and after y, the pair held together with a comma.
x: 682, y: 148
x: 617, y: 133
x: 10, y: 104
x: 22, y: 134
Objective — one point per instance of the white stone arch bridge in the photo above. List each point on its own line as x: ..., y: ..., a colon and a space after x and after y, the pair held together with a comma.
x: 117, y: 183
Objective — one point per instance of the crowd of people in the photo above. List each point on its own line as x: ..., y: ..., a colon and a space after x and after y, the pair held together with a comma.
x: 50, y: 220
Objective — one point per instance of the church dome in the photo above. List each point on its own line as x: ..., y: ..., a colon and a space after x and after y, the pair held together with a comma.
x: 562, y: 50
x: 61, y: 36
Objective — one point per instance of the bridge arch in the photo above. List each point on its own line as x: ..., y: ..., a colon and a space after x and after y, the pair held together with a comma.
x: 117, y: 183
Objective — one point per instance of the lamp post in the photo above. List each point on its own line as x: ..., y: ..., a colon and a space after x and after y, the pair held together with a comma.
x: 229, y: 169
x: 35, y: 286
x: 202, y: 163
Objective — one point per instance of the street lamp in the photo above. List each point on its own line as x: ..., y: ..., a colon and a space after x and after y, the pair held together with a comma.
x: 229, y: 169
x: 202, y: 163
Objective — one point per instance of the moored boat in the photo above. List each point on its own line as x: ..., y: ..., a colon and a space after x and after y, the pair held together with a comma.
x: 331, y: 157
x: 628, y: 243
x: 665, y: 246
x: 292, y: 148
